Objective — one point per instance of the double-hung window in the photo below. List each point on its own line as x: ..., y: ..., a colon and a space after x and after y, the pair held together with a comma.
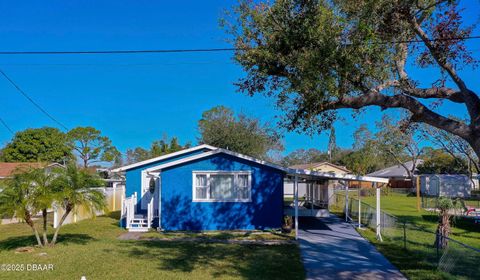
x: 222, y: 186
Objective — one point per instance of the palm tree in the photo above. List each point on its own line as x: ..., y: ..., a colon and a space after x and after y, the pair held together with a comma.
x: 445, y: 205
x: 43, y: 180
x: 16, y: 200
x: 75, y: 188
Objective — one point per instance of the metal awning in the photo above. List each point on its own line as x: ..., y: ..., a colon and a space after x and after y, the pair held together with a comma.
x: 377, y: 182
x: 310, y: 174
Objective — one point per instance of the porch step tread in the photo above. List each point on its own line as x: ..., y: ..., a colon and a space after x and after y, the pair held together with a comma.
x: 139, y: 229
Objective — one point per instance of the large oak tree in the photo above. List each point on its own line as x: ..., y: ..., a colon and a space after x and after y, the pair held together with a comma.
x: 316, y: 57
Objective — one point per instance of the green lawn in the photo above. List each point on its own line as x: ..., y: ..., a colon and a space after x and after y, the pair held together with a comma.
x: 91, y: 248
x: 419, y: 259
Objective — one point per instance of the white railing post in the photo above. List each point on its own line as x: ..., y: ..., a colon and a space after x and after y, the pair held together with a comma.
x: 149, y: 213
x: 378, y: 222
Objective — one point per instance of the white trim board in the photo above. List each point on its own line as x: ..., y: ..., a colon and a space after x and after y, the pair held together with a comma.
x: 137, y: 164
x: 348, y: 177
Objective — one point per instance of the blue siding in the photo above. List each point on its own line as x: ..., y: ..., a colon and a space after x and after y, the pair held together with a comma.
x: 179, y: 212
x: 133, y: 176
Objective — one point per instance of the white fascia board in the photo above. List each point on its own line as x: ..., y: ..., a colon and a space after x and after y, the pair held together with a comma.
x: 223, y: 151
x: 148, y: 161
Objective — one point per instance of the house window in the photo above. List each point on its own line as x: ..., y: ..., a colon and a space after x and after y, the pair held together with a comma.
x: 220, y: 186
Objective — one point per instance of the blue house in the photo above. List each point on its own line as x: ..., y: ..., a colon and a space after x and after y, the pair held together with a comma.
x: 203, y: 188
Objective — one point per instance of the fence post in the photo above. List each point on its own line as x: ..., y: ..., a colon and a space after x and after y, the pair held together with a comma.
x: 418, y: 192
x: 438, y: 245
x: 404, y: 235
x: 359, y: 209
x: 346, y: 203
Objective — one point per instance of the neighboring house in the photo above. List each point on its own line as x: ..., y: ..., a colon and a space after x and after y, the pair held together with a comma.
x: 397, y: 174
x: 317, y: 196
x: 323, y: 167
x: 204, y: 188
x: 8, y: 169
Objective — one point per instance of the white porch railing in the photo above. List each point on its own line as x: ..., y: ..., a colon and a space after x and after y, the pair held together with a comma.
x: 135, y: 222
x: 128, y: 209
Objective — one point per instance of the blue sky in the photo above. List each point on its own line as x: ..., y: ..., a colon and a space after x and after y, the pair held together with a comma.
x: 135, y: 99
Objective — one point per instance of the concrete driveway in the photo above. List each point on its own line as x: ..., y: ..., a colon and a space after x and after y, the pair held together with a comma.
x: 332, y: 249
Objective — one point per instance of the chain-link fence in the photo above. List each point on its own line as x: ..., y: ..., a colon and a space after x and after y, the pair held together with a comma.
x: 431, y: 202
x: 415, y: 241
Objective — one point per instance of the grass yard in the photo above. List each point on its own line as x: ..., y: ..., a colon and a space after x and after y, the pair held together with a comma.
x: 91, y: 248
x: 419, y: 259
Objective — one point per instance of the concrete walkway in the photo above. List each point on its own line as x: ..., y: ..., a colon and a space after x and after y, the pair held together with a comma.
x: 332, y: 249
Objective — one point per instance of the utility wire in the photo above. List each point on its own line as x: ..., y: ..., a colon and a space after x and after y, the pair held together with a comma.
x: 121, y: 51
x: 32, y: 101
x: 206, y: 50
x: 6, y: 126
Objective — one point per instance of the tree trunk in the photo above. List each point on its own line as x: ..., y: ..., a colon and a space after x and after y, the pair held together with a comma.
x: 29, y: 221
x: 475, y: 144
x: 68, y: 209
x: 443, y: 229
x: 45, y: 238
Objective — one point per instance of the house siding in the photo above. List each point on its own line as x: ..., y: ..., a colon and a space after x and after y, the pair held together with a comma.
x: 134, y: 176
x: 179, y: 212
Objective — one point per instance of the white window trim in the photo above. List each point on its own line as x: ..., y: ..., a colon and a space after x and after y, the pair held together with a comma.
x: 235, y: 180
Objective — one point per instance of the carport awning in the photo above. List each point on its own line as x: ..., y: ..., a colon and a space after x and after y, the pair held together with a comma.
x: 309, y: 174
x: 297, y: 174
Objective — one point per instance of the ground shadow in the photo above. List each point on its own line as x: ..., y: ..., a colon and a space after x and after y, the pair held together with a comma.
x: 29, y: 240
x: 247, y: 261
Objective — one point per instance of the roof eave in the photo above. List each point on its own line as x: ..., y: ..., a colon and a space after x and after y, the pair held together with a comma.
x: 152, y: 160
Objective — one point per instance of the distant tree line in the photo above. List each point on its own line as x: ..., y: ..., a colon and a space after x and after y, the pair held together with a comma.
x: 395, y: 143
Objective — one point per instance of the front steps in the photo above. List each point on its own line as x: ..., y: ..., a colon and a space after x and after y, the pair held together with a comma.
x: 139, y: 224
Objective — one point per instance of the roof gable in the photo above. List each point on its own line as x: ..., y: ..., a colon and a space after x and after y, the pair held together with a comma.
x: 163, y: 157
x: 214, y: 152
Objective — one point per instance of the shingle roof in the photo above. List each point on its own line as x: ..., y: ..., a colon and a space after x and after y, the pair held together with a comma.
x: 7, y: 169
x: 395, y: 171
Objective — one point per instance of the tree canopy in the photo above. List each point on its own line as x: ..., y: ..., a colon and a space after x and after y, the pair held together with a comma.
x: 157, y: 148
x: 91, y: 146
x: 45, y: 144
x: 316, y: 57
x: 220, y: 127
x: 437, y: 161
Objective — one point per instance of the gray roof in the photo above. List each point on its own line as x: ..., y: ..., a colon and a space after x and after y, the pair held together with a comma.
x: 395, y: 171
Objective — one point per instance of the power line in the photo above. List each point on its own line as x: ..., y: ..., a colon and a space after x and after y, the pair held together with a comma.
x: 6, y: 126
x: 121, y: 51
x: 32, y: 101
x: 114, y: 64
x: 206, y: 50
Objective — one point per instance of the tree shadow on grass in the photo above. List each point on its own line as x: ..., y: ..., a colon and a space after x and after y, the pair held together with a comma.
x: 246, y: 261
x: 29, y: 240
x: 114, y: 215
